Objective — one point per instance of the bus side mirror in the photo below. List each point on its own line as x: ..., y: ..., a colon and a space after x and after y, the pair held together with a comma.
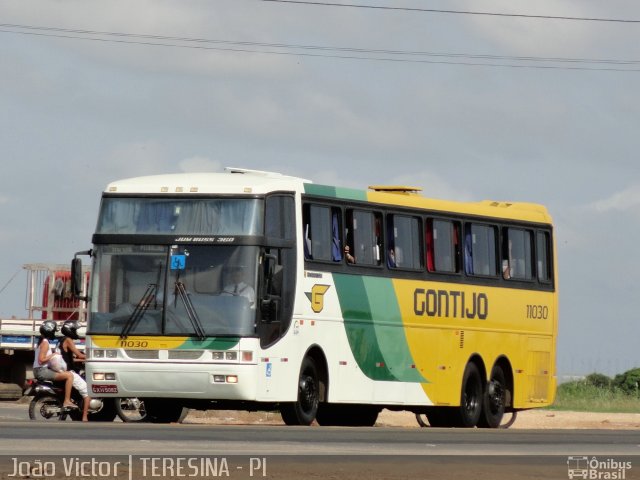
x: 269, y: 309
x: 76, y: 277
x: 77, y: 280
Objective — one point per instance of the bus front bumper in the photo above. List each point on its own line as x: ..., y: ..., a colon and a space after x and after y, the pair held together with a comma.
x: 196, y: 381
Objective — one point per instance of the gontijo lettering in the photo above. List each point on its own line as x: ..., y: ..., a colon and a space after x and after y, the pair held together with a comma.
x: 450, y: 303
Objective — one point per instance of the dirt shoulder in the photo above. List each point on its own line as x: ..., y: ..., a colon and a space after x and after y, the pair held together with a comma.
x: 531, y: 419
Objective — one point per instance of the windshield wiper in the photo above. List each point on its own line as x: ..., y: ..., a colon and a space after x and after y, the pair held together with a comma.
x: 139, y: 311
x: 191, y: 311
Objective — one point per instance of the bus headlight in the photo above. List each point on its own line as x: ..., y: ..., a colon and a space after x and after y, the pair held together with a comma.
x: 100, y: 353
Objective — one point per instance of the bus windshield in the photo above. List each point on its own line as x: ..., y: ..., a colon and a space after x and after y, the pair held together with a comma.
x: 174, y: 290
x: 154, y: 216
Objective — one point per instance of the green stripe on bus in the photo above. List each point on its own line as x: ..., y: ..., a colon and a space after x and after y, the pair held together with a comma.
x: 335, y: 192
x: 358, y: 323
x: 210, y: 344
x: 390, y: 330
x: 379, y: 347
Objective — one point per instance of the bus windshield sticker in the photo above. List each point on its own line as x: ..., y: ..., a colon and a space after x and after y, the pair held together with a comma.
x: 178, y: 262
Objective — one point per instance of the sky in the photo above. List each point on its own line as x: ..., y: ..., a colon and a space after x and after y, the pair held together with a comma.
x: 467, y: 107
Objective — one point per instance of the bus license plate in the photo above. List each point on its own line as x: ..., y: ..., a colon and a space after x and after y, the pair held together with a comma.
x: 104, y: 389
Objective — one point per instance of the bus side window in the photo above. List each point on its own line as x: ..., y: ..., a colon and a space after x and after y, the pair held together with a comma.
x: 306, y: 232
x: 517, y: 254
x: 336, y: 241
x: 443, y: 246
x: 404, y: 242
x: 480, y: 250
x: 364, y: 236
x: 391, y: 244
x: 321, y: 235
x: 543, y: 256
x: 307, y: 242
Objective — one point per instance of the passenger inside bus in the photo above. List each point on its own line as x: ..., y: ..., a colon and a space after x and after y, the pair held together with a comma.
x: 347, y: 255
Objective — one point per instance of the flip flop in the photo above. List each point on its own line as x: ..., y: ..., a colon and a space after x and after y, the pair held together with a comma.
x: 71, y: 406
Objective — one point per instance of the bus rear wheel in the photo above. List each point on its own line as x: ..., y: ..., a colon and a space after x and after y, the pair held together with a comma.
x: 304, y: 410
x: 494, y: 400
x: 468, y: 414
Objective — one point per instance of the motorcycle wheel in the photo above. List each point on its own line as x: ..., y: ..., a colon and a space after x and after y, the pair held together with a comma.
x: 46, y: 408
x: 131, y: 410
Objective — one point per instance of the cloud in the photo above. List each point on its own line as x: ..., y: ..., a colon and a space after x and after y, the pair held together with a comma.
x: 4, y: 200
x: 624, y: 200
x: 199, y: 164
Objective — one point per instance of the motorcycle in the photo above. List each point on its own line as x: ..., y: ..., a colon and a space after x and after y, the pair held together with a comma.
x: 130, y: 409
x: 48, y: 396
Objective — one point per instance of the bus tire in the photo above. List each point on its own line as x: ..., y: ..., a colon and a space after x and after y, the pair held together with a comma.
x: 304, y: 410
x: 423, y: 422
x: 471, y: 398
x: 494, y: 399
x: 164, y: 410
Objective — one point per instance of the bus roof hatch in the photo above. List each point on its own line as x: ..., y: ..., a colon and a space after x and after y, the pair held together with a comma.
x: 402, y: 189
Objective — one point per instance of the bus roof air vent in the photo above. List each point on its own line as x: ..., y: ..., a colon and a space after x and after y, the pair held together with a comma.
x: 252, y: 172
x: 491, y: 203
x: 400, y: 189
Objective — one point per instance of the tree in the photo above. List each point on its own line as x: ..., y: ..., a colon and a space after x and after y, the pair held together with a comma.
x: 628, y: 381
x: 598, y: 380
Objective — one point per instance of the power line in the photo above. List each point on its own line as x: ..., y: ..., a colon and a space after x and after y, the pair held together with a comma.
x: 346, y: 53
x: 458, y: 12
x: 10, y: 280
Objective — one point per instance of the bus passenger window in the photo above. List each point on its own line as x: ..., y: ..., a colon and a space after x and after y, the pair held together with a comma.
x: 322, y: 239
x: 364, y: 236
x: 517, y: 254
x: 442, y: 246
x: 404, y: 249
x: 543, y: 249
x: 480, y: 250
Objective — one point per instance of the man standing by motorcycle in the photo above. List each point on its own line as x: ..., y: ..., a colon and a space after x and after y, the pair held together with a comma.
x: 71, y: 355
x: 44, y: 353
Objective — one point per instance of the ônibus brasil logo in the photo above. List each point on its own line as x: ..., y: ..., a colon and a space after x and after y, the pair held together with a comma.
x: 597, y: 469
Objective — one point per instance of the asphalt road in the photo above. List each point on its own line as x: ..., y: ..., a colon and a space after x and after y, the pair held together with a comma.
x: 322, y: 452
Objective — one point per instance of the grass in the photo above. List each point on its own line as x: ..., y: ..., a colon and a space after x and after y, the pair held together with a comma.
x: 581, y: 396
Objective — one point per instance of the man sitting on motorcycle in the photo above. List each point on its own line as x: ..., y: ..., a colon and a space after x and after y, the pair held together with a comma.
x: 44, y: 354
x: 71, y: 355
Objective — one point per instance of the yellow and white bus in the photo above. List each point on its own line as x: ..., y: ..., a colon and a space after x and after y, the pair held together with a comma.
x: 254, y: 290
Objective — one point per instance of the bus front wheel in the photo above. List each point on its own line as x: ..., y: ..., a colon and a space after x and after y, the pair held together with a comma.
x: 303, y: 411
